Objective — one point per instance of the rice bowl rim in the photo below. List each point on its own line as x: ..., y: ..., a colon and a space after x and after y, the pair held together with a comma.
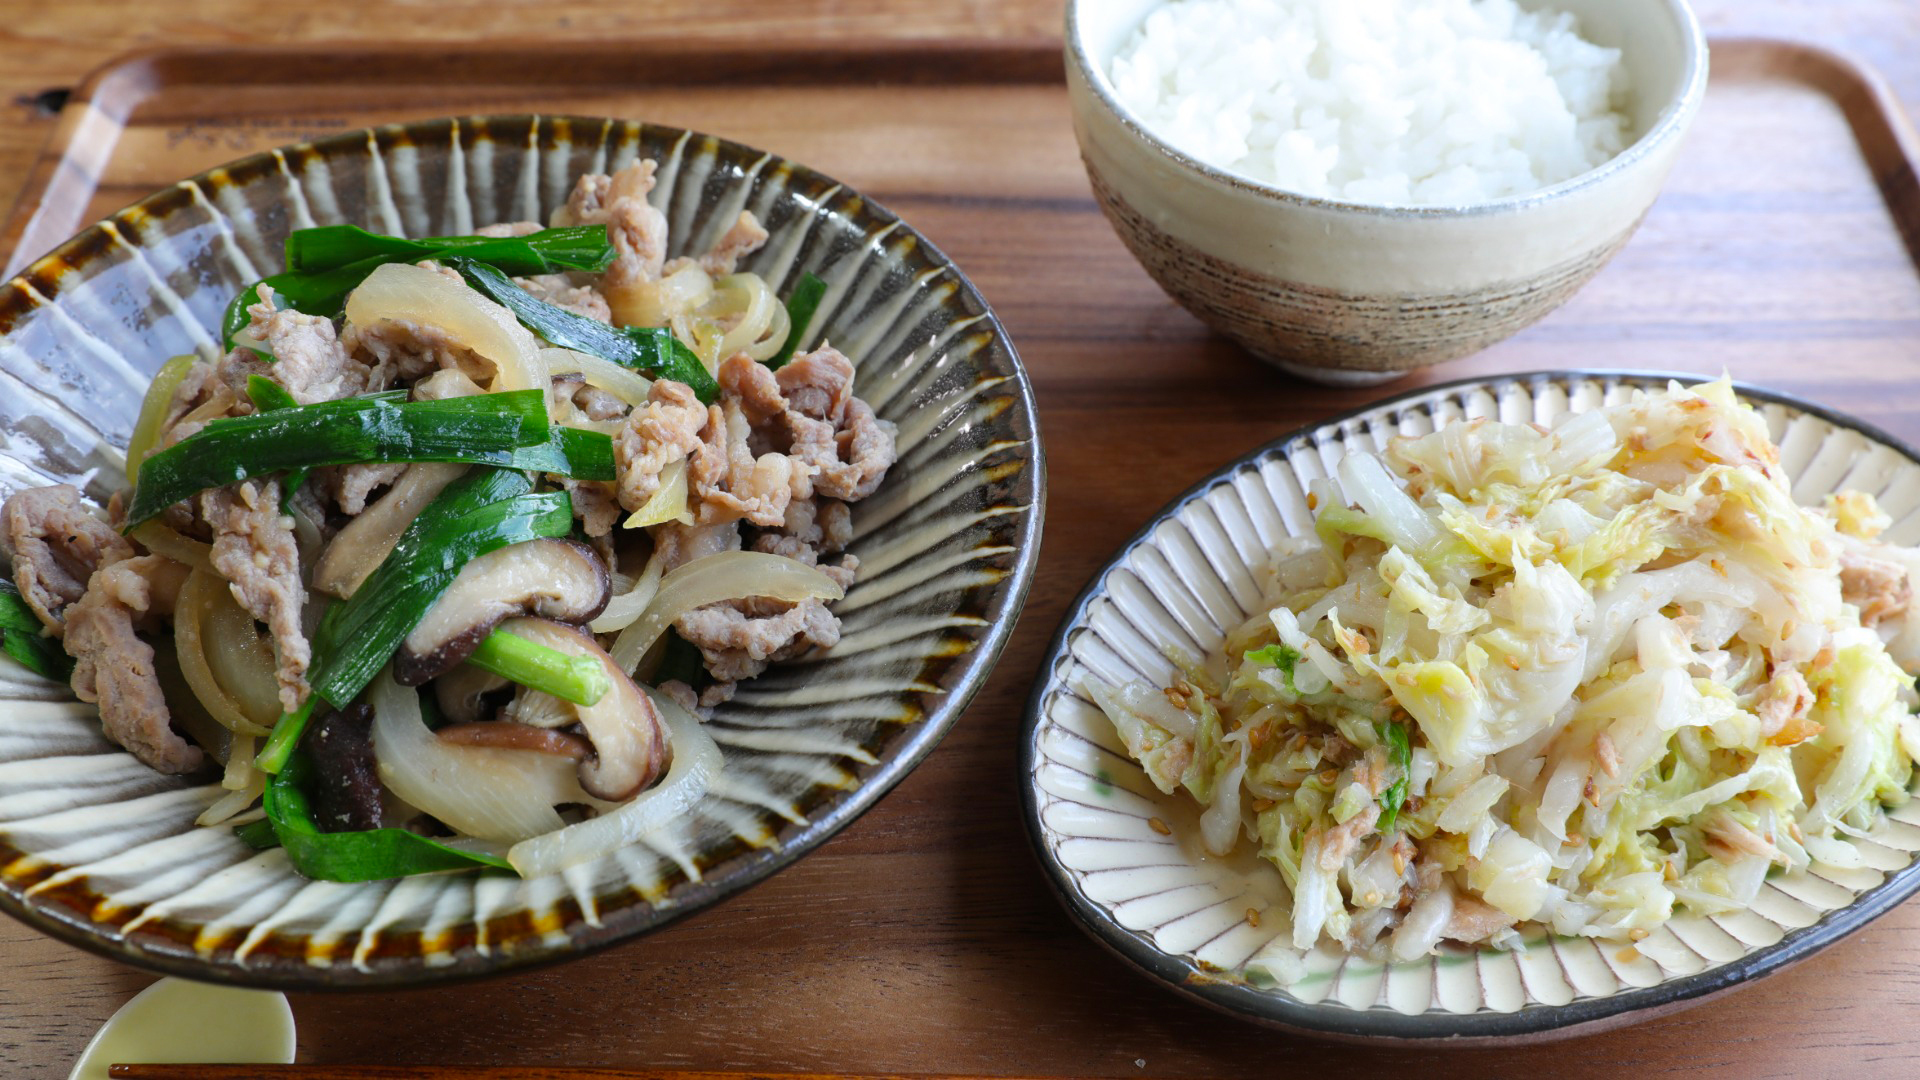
x: 1328, y: 1019
x: 1668, y: 126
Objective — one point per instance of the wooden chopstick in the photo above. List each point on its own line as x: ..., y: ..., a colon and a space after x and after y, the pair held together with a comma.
x: 475, y: 1073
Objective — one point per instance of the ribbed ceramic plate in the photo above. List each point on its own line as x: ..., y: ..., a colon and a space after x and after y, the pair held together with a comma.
x: 102, y: 852
x: 1197, y: 922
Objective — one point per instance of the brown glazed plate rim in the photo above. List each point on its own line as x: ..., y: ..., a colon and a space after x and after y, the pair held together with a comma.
x: 733, y: 873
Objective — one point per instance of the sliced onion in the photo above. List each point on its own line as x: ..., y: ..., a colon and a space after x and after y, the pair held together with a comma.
x: 359, y: 549
x: 162, y: 539
x: 776, y: 337
x: 240, y: 771
x: 203, y: 593
x: 696, y: 762
x: 215, y: 407
x: 243, y: 782
x: 233, y: 802
x: 479, y: 791
x: 669, y: 503
x: 702, y: 335
x: 309, y: 537
x: 153, y: 411
x: 239, y: 654
x: 184, y: 707
x: 627, y: 385
x: 748, y: 297
x: 402, y: 292
x: 729, y: 575
x: 623, y: 609
x: 654, y: 303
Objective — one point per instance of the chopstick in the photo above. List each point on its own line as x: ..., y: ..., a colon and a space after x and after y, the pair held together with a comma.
x: 475, y: 1073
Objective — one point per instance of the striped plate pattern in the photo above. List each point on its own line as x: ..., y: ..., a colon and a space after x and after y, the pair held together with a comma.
x: 1218, y: 928
x: 103, y: 852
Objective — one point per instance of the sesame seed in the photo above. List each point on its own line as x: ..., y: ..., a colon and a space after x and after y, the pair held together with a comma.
x: 1253, y: 917
x: 1313, y: 501
x: 1637, y: 934
x: 1627, y: 955
x: 1159, y: 826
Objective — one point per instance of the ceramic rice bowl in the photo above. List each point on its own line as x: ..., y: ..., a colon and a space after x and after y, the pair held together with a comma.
x: 1348, y: 293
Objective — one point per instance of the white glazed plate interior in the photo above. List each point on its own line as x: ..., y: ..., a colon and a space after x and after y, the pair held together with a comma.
x: 1165, y: 906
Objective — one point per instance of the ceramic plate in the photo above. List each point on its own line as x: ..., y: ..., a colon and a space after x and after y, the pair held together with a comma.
x: 1195, y: 921
x: 102, y: 852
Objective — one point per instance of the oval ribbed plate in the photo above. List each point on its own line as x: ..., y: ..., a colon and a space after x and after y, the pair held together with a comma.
x: 102, y: 852
x: 1196, y: 921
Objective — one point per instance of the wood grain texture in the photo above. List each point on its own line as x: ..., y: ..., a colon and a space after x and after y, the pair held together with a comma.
x: 455, y: 1072
x: 475, y: 1073
x: 922, y: 938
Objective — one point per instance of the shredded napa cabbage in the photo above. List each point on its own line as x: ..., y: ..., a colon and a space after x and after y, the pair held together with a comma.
x: 1584, y: 677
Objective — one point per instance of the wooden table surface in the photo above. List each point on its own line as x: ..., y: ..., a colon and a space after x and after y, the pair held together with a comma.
x: 922, y: 939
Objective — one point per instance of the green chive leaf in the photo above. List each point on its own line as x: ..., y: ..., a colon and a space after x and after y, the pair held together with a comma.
x: 22, y: 637
x: 651, y: 350
x: 800, y: 308
x: 488, y: 429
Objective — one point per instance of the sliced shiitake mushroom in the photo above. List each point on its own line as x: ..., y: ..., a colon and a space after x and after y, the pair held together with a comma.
x: 358, y: 549
x: 630, y: 748
x: 557, y: 579
x: 506, y: 735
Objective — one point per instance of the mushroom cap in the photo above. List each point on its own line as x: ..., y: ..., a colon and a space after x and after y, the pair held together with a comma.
x: 557, y: 579
x: 630, y: 747
x: 507, y: 735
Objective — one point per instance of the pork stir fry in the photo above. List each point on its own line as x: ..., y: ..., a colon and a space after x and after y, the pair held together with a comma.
x: 436, y: 558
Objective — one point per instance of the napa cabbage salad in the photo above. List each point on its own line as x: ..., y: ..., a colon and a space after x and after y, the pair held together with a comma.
x: 1583, y: 678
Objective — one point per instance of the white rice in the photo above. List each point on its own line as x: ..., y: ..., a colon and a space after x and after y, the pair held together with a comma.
x: 1391, y: 102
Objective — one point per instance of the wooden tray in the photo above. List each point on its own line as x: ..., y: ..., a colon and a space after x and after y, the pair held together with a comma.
x: 923, y: 939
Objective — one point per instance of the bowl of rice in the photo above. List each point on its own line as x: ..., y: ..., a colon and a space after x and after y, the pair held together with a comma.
x: 1352, y: 189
